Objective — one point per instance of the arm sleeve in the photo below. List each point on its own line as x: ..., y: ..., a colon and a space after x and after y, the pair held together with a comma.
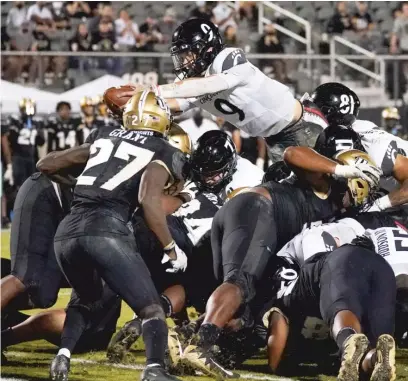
x: 201, y: 86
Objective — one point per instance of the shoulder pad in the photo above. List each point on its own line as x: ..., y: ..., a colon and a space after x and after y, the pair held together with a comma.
x: 361, y: 126
x: 52, y: 119
x: 38, y: 119
x: 227, y: 59
x: 14, y: 117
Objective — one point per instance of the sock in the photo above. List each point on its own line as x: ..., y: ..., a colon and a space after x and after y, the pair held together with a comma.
x: 65, y: 352
x: 166, y: 305
x: 155, y: 339
x: 6, y: 335
x: 342, y: 336
x: 74, y: 326
x: 208, y: 335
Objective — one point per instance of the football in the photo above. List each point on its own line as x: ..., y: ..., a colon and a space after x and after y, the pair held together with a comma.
x: 114, y: 100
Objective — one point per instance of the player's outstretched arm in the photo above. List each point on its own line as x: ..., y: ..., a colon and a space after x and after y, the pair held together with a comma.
x: 398, y: 196
x: 58, y: 165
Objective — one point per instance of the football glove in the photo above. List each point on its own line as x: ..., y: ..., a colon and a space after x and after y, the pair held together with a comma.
x: 178, y: 264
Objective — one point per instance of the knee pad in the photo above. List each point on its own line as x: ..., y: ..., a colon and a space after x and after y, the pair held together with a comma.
x: 40, y: 298
x: 154, y: 311
x: 245, y: 282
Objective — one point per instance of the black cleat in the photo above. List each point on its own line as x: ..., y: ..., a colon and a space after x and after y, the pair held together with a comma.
x: 121, y: 342
x: 157, y: 373
x: 60, y: 368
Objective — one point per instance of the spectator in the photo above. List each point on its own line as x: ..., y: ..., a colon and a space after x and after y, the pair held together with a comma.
x: 223, y: 16
x: 16, y: 16
x: 104, y: 41
x: 127, y: 31
x: 341, y: 20
x: 105, y: 14
x: 399, y: 37
x: 362, y: 20
x: 40, y: 65
x: 269, y: 43
x: 40, y: 16
x: 151, y: 33
x: 78, y: 9
x: 21, y: 40
x: 168, y: 23
x: 230, y: 36
x: 60, y: 16
x: 201, y: 11
x: 197, y: 125
x: 82, y: 40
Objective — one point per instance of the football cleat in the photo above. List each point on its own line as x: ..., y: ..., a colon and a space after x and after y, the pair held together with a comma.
x: 157, y: 373
x: 60, y: 368
x: 384, y: 369
x: 199, y: 359
x: 354, y: 348
x: 121, y: 342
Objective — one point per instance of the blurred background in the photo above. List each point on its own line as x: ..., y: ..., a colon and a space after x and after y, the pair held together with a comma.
x: 57, y: 58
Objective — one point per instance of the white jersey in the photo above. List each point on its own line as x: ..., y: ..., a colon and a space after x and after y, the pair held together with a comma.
x: 380, y: 145
x: 389, y: 242
x: 319, y: 238
x: 254, y: 103
x: 198, y: 214
x: 392, y: 244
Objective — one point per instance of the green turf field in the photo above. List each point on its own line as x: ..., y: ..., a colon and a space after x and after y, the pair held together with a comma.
x: 30, y: 361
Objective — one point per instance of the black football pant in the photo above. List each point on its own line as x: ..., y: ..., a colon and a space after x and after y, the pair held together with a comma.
x: 243, y: 239
x: 84, y: 260
x: 356, y: 279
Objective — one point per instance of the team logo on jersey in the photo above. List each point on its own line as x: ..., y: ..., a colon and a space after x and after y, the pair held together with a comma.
x: 236, y: 57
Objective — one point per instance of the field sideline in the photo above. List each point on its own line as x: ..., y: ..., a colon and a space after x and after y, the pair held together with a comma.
x: 30, y: 361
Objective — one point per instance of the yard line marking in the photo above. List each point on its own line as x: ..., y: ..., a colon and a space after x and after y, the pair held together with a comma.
x: 245, y: 376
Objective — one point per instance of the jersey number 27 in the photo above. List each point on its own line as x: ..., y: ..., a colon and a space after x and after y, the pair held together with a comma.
x: 139, y: 157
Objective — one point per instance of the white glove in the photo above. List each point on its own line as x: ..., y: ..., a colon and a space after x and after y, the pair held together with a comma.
x: 8, y: 175
x: 178, y: 264
x: 360, y: 170
x: 260, y: 163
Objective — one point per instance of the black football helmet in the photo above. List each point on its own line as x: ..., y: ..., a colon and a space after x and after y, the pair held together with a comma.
x: 334, y: 139
x: 339, y: 104
x: 276, y: 172
x: 213, y: 161
x: 194, y: 46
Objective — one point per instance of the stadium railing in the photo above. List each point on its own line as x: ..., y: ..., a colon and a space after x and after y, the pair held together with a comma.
x: 327, y: 65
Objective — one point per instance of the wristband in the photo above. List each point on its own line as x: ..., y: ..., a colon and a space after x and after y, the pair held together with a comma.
x: 169, y: 247
x: 383, y: 203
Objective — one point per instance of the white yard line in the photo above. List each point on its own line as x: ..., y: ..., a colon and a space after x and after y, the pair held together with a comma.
x: 244, y: 376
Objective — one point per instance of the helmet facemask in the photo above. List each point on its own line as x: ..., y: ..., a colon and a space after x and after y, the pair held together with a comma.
x: 213, y: 181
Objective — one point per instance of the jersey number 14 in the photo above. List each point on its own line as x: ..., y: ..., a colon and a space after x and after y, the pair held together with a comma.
x: 139, y: 157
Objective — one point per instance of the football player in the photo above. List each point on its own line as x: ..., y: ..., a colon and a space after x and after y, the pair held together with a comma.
x: 35, y: 277
x: 25, y: 134
x: 340, y: 105
x: 353, y: 291
x: 391, y: 121
x: 255, y: 224
x: 62, y: 128
x: 223, y: 82
x: 216, y: 171
x: 125, y: 168
x: 90, y: 119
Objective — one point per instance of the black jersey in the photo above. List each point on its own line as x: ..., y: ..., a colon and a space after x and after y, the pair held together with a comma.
x: 87, y: 125
x: 25, y: 135
x: 299, y: 206
x: 117, y: 161
x: 62, y: 134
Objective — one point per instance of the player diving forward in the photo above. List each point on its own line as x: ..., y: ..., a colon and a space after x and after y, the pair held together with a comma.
x: 223, y: 82
x: 124, y: 168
